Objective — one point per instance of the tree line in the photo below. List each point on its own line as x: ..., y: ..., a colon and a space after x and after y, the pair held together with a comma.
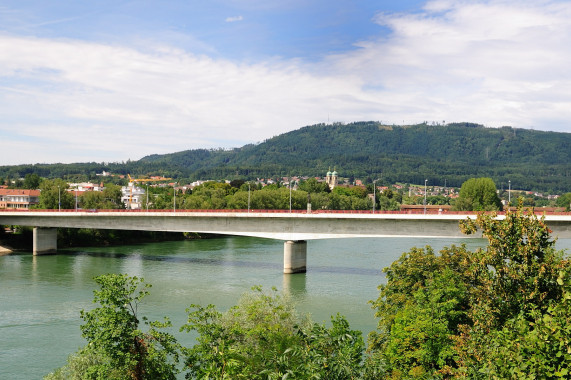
x: 475, y: 194
x: 499, y: 312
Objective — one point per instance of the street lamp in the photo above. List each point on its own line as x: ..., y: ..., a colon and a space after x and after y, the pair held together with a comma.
x: 290, y: 195
x: 147, y: 198
x: 174, y: 199
x: 58, y: 198
x: 374, y: 194
x: 425, y: 181
x: 509, y: 193
x: 248, y: 197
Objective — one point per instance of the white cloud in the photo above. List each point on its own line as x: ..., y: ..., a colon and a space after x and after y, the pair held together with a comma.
x: 493, y: 62
x: 234, y: 19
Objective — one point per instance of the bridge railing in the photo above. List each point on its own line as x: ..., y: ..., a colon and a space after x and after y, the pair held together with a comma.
x: 381, y: 212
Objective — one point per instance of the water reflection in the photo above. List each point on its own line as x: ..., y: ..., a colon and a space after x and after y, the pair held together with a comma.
x: 294, y: 284
x: 223, y: 260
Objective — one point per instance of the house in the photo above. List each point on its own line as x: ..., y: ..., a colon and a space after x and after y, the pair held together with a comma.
x: 18, y: 199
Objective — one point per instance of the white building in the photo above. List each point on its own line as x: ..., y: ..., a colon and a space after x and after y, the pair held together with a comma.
x: 132, y: 196
x: 85, y: 186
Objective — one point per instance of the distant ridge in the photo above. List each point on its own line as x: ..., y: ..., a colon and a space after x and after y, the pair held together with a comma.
x: 451, y: 153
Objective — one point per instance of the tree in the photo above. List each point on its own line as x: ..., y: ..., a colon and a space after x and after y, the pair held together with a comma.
x: 478, y: 194
x: 498, y: 312
x: 311, y: 185
x: 112, y: 195
x: 523, y: 284
x: 564, y: 201
x: 519, y: 268
x: 31, y: 181
x: 420, y: 342
x: 237, y: 183
x: 109, y: 198
x: 420, y: 309
x: 53, y: 191
x: 117, y: 348
x: 263, y: 338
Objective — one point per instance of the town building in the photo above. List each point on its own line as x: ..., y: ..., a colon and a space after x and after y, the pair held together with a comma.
x: 86, y: 186
x: 132, y: 196
x: 332, y: 179
x: 18, y: 199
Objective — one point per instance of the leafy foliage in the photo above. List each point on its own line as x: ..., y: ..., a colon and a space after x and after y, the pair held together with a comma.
x: 564, y: 201
x: 263, y: 338
x: 500, y: 312
x: 421, y: 306
x: 53, y: 194
x: 522, y: 282
x: 519, y: 268
x: 117, y: 348
x: 109, y: 198
x: 478, y: 194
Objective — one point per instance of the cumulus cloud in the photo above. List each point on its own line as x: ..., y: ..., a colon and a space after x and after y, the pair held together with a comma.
x: 494, y: 62
x: 491, y: 62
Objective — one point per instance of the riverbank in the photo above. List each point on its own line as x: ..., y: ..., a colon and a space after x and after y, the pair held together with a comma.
x: 5, y: 250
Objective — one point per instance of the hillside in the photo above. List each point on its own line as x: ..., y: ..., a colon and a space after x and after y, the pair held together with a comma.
x: 532, y: 160
x: 455, y: 152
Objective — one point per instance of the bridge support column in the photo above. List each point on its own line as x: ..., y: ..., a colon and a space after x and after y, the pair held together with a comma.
x: 45, y: 240
x: 295, y: 256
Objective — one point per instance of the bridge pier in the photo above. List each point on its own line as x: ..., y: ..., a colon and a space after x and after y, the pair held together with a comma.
x: 45, y: 240
x: 295, y: 256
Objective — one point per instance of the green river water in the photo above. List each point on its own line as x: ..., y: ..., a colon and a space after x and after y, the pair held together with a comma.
x: 40, y: 297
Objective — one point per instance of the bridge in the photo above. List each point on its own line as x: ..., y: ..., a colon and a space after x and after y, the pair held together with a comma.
x: 294, y: 228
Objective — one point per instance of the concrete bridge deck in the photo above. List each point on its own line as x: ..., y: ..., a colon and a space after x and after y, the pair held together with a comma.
x: 294, y: 228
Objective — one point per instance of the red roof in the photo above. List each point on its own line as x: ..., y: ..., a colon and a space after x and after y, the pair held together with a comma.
x: 31, y: 193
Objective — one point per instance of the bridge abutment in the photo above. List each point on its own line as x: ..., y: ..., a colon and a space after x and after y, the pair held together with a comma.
x: 295, y: 256
x: 45, y: 240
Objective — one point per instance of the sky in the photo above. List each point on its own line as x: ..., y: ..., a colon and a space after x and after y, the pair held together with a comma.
x: 113, y: 80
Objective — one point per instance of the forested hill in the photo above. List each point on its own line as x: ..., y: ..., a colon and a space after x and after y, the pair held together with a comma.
x: 532, y: 160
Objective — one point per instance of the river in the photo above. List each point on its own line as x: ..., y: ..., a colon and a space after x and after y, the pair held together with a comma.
x: 40, y: 297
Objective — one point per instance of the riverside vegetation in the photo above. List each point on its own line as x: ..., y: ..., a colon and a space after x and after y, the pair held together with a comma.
x: 500, y: 312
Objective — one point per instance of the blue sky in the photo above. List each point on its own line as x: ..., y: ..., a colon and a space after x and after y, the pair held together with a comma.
x: 116, y: 80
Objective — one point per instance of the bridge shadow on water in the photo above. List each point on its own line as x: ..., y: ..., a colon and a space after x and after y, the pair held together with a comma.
x: 223, y: 262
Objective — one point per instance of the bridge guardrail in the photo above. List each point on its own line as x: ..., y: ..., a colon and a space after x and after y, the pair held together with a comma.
x: 276, y: 211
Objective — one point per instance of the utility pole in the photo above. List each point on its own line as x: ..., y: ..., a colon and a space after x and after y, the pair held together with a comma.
x: 425, y: 181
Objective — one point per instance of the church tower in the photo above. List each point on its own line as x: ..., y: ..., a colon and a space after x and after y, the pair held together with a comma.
x: 331, y: 179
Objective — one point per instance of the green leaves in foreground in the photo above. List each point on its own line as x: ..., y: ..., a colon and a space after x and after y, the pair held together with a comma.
x: 502, y: 312
x: 263, y: 338
x: 117, y: 348
x: 260, y: 338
